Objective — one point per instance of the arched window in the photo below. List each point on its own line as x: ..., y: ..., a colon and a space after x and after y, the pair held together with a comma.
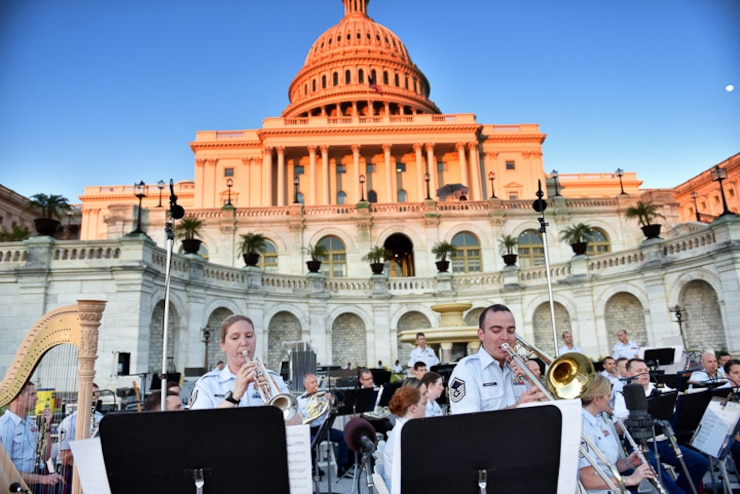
x: 361, y: 76
x: 269, y: 258
x: 401, y: 195
x: 347, y: 76
x: 530, y: 249
x: 323, y: 82
x: 395, y: 80
x: 313, y: 85
x: 335, y: 265
x: 372, y: 196
x: 335, y: 79
x: 466, y: 259
x: 341, y: 197
x: 385, y: 77
x: 599, y: 243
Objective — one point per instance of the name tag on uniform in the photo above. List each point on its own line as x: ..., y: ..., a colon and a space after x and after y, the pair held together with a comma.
x: 490, y: 384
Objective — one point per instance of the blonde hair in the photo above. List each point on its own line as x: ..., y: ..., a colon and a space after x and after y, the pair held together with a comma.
x: 229, y: 321
x: 600, y: 387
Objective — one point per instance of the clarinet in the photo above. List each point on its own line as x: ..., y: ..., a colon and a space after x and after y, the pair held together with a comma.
x: 41, y: 444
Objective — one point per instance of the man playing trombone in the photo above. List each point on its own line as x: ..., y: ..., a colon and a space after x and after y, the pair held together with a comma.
x: 485, y: 381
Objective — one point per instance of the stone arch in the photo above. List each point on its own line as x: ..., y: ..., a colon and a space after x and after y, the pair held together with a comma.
x: 624, y: 310
x: 542, y: 325
x: 411, y: 320
x: 283, y: 326
x: 215, y: 319
x: 156, y: 323
x: 702, y: 324
x: 349, y: 340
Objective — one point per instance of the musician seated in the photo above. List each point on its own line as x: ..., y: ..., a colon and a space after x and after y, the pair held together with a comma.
x: 238, y: 383
x: 153, y: 402
x: 408, y: 402
x: 311, y: 384
x: 709, y: 375
x: 594, y: 402
x: 695, y: 462
x: 67, y: 432
x: 732, y: 371
x: 381, y: 425
x: 435, y: 387
x: 20, y: 437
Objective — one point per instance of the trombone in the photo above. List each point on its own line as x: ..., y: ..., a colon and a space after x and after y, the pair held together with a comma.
x: 568, y: 377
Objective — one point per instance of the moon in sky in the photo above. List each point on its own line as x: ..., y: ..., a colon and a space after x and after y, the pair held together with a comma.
x: 729, y: 88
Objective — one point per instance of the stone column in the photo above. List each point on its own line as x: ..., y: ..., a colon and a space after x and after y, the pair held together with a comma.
x: 326, y: 198
x: 460, y: 146
x: 473, y: 347
x: 475, y: 185
x: 281, y: 175
x: 312, y: 196
x: 356, y: 173
x: 446, y: 351
x: 388, y: 174
x: 268, y: 200
x: 431, y: 169
x: 419, y: 172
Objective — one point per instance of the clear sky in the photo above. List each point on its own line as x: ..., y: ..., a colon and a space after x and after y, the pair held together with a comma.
x: 112, y: 92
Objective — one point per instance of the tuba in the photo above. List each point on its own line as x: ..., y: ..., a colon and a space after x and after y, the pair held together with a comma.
x: 270, y: 393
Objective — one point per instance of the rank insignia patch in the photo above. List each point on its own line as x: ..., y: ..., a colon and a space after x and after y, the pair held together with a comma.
x: 457, y: 390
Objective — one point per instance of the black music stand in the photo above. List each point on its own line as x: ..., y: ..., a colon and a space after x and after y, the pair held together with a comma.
x: 157, y: 452
x: 518, y: 449
x: 380, y: 376
x: 355, y: 400
x: 388, y: 390
x: 661, y: 406
x: 660, y: 356
x: 689, y: 411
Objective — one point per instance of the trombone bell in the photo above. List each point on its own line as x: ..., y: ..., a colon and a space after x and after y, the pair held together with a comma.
x: 569, y: 376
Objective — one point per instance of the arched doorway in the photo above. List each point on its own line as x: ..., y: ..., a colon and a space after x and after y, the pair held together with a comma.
x: 402, y: 260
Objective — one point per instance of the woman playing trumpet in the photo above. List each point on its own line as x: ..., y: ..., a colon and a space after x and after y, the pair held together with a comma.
x: 234, y: 385
x: 594, y: 401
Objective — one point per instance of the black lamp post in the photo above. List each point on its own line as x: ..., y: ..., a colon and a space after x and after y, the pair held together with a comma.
x: 555, y: 177
x: 206, y: 339
x: 160, y: 186
x: 492, y: 177
x: 140, y: 192
x: 694, y: 195
x: 678, y: 311
x: 229, y: 184
x: 718, y: 175
x: 295, y: 189
x: 620, y: 172
x: 362, y: 188
x: 426, y: 179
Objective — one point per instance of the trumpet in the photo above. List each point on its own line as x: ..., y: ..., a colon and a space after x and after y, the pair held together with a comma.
x: 269, y: 391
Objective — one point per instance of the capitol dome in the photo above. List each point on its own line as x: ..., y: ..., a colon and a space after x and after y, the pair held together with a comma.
x: 358, y: 67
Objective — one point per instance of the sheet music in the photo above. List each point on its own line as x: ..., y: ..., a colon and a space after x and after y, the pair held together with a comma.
x: 88, y: 455
x: 717, y: 427
x: 298, y: 439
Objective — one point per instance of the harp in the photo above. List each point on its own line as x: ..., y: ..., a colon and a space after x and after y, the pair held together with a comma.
x: 75, y: 325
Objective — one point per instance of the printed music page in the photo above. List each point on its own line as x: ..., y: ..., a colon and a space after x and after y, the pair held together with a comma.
x: 298, y: 440
x: 717, y: 427
x: 88, y: 455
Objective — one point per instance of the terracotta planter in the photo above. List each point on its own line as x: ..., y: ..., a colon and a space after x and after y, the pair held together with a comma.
x: 251, y: 259
x: 510, y: 259
x: 377, y: 267
x: 191, y: 245
x: 579, y: 248
x: 313, y: 266
x: 443, y: 266
x: 651, y: 231
x: 47, y: 226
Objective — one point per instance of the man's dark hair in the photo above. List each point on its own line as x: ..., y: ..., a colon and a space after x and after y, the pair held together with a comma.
x: 607, y: 358
x: 632, y: 361
x: 723, y: 353
x: 491, y: 308
x: 420, y: 334
x: 153, y: 402
x: 419, y: 364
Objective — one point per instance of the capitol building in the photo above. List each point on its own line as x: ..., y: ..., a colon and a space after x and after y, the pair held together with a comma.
x: 362, y: 157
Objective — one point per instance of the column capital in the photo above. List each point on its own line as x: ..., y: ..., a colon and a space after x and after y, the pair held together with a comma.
x: 200, y: 162
x: 268, y: 149
x: 460, y: 146
x: 429, y: 146
x: 387, y: 147
x: 417, y: 146
x: 280, y: 149
x: 324, y: 148
x: 472, y: 145
x: 311, y: 149
x: 356, y: 148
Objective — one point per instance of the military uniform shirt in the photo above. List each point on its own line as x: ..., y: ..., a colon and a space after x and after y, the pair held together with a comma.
x: 625, y: 350
x: 427, y: 356
x: 433, y: 409
x: 210, y: 389
x: 303, y: 409
x: 18, y: 437
x: 597, y: 431
x: 478, y: 384
x: 702, y: 376
x: 68, y: 428
x: 564, y: 349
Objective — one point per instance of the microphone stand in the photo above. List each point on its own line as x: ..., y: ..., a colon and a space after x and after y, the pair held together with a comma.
x: 540, y: 205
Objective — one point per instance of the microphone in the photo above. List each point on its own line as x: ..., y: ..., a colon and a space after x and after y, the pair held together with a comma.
x: 640, y: 422
x: 359, y: 435
x: 16, y: 487
x: 632, y: 378
x: 176, y: 212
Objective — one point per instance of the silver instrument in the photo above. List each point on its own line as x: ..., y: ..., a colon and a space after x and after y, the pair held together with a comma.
x: 269, y: 392
x: 656, y: 484
x: 378, y: 412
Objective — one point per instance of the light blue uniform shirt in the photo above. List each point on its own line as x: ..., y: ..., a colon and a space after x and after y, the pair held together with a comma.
x: 210, y: 389
x: 68, y: 429
x: 625, y: 350
x: 433, y: 409
x: 479, y: 384
x: 18, y: 437
x: 597, y: 431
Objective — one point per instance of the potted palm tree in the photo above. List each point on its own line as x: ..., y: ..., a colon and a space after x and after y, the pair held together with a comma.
x: 376, y: 257
x: 315, y: 252
x: 51, y: 208
x: 251, y: 246
x: 441, y: 250
x: 578, y: 236
x: 188, y: 229
x: 16, y: 234
x: 645, y: 213
x: 507, y: 245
